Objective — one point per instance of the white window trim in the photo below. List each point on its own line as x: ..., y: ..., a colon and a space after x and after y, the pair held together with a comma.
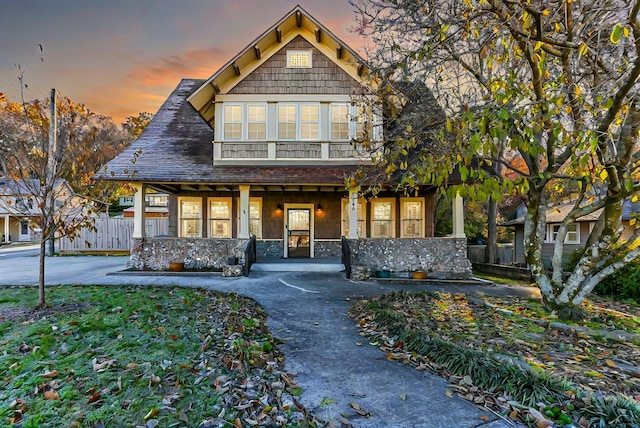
x: 181, y: 199
x: 299, y: 51
x: 362, y: 205
x: 297, y: 106
x: 393, y: 216
x: 403, y: 201
x: 210, y: 218
x: 550, y: 236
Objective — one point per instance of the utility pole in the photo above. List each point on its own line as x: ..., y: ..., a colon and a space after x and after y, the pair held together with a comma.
x: 51, y: 173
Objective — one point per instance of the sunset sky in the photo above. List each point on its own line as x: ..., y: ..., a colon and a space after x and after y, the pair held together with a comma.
x: 121, y: 57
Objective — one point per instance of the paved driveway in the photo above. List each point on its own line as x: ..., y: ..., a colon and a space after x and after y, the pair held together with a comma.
x: 308, y: 312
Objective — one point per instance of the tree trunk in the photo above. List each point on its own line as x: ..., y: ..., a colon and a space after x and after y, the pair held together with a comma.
x: 491, y: 251
x: 41, y: 297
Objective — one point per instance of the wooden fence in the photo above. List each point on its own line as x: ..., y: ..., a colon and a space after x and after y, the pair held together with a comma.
x: 505, y: 253
x: 111, y: 234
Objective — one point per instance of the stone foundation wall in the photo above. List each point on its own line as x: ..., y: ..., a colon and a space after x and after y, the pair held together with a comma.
x: 327, y: 249
x: 271, y: 249
x: 274, y: 248
x: 196, y: 253
x: 442, y: 257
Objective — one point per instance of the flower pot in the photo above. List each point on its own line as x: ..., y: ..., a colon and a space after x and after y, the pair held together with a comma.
x: 176, y: 267
x: 383, y: 274
x: 418, y: 274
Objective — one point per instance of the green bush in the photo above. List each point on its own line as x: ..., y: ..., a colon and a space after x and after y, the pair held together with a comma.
x: 624, y: 284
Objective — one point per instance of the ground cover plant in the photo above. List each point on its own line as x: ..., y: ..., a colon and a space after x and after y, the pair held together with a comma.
x: 511, y: 356
x: 133, y: 356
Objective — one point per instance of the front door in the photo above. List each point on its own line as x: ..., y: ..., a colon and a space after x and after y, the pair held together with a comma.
x: 299, y: 231
x: 25, y: 233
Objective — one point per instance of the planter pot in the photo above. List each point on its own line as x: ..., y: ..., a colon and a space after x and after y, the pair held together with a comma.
x: 383, y: 274
x: 176, y: 267
x: 418, y: 274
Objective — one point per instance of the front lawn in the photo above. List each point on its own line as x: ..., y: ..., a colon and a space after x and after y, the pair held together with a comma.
x: 132, y: 356
x: 509, y: 355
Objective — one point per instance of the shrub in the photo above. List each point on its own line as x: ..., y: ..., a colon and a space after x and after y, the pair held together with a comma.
x: 624, y: 284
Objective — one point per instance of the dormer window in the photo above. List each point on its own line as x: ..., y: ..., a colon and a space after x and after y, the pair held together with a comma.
x: 299, y: 59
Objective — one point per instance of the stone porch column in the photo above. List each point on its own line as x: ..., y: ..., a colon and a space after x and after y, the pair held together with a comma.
x: 353, y: 212
x: 458, y: 217
x: 243, y: 227
x: 139, y: 210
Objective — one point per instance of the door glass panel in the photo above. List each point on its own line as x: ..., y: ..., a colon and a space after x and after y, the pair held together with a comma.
x: 299, y: 221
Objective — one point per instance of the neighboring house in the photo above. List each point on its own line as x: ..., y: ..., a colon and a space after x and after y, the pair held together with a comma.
x: 578, y: 232
x: 264, y: 148
x: 156, y: 205
x: 19, y: 213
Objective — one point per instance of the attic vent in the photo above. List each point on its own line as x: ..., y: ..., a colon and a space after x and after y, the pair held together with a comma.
x: 299, y: 59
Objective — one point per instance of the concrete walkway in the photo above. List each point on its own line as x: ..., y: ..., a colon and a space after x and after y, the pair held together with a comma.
x: 308, y: 312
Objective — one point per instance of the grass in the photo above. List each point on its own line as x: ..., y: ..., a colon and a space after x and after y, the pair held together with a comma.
x: 508, y: 357
x: 132, y: 356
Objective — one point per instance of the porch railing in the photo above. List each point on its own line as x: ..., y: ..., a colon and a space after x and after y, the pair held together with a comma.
x: 346, y: 257
x: 249, y: 255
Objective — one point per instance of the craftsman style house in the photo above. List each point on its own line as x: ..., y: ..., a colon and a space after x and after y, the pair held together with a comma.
x: 263, y: 148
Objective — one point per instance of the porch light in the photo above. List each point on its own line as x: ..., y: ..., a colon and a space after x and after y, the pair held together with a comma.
x: 279, y: 208
x: 319, y: 207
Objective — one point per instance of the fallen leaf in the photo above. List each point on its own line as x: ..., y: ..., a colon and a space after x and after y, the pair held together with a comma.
x: 610, y: 363
x: 403, y: 397
x: 448, y: 393
x: 51, y: 395
x: 153, y: 412
x: 51, y: 374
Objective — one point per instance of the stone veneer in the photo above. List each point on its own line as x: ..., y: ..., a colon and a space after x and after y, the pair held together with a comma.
x: 274, y: 248
x: 196, y: 253
x: 444, y: 258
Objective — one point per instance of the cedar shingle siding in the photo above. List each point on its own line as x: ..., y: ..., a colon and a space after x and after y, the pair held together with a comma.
x: 273, y: 77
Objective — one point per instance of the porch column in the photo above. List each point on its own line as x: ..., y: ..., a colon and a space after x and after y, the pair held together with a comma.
x: 243, y: 229
x: 353, y: 212
x: 139, y: 210
x: 458, y: 217
x: 173, y: 215
x: 6, y: 228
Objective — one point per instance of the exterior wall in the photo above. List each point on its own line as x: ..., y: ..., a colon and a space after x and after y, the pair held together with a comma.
x: 328, y: 248
x: 442, y: 257
x: 273, y: 77
x: 196, y: 253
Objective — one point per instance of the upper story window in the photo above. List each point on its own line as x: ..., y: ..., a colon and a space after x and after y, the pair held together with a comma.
x: 299, y: 59
x: 340, y: 122
x: 232, y: 122
x: 256, y: 122
x: 298, y: 121
x: 236, y: 127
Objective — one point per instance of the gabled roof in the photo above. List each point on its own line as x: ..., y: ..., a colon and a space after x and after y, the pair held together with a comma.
x: 296, y: 23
